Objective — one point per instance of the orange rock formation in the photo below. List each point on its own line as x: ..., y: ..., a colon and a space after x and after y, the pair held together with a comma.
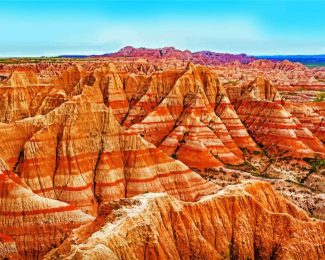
x: 146, y: 147
x: 240, y: 222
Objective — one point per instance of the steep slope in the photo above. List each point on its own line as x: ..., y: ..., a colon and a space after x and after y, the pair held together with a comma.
x: 53, y: 100
x: 111, y: 86
x: 272, y: 125
x: 309, y: 117
x: 155, y: 87
x: 219, y: 100
x: 24, y: 216
x: 14, y: 95
x: 81, y: 138
x: 8, y: 249
x: 260, y: 89
x: 239, y: 222
x: 78, y: 153
x: 25, y: 93
x: 197, y: 139
x: 186, y: 144
x: 187, y: 100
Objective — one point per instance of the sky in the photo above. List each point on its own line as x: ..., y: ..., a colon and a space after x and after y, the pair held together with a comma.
x: 54, y: 27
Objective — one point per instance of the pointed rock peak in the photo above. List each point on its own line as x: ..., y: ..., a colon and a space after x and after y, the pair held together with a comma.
x: 98, y: 73
x: 22, y: 77
x: 112, y: 68
x: 190, y: 66
x: 83, y: 72
x: 261, y: 89
x: 126, y: 50
x: 92, y: 94
x: 80, y: 68
x: 261, y: 79
x: 73, y: 68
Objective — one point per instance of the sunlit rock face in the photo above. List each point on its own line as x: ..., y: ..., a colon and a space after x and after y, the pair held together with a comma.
x: 233, y: 223
x: 8, y: 248
x: 146, y: 155
x: 33, y: 223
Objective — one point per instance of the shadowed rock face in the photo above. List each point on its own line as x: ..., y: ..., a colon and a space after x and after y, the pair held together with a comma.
x: 79, y: 140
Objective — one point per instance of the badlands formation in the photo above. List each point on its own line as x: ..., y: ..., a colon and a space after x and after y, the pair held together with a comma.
x: 162, y: 154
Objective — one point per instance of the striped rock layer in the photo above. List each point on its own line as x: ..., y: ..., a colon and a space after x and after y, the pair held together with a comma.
x: 25, y: 216
x: 78, y: 153
x: 76, y: 135
x: 146, y: 92
x: 188, y: 107
x: 257, y: 117
x: 8, y: 249
x: 235, y: 223
x: 25, y: 93
x: 277, y: 131
x: 309, y: 116
x: 154, y: 104
x: 111, y: 86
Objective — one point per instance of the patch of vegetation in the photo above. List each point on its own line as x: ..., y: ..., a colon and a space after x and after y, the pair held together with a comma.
x: 183, y: 141
x: 263, y: 175
x: 175, y: 156
x: 233, y: 82
x: 320, y: 97
x: 314, y: 64
x: 52, y: 59
x: 315, y: 164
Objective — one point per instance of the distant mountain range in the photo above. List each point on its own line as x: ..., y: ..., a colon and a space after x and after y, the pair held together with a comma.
x: 202, y: 57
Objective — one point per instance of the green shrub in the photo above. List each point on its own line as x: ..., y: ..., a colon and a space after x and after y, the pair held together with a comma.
x: 320, y: 97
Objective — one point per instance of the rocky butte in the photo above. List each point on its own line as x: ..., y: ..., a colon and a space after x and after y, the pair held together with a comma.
x: 161, y: 154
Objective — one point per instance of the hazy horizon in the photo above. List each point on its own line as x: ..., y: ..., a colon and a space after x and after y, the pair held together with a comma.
x: 108, y: 52
x: 260, y: 28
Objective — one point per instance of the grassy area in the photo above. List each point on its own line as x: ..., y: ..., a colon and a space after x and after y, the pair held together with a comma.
x: 36, y: 60
x: 313, y: 65
x: 29, y: 60
x: 233, y: 82
x: 320, y: 97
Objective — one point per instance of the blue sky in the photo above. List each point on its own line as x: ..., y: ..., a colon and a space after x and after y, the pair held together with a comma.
x: 36, y: 28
